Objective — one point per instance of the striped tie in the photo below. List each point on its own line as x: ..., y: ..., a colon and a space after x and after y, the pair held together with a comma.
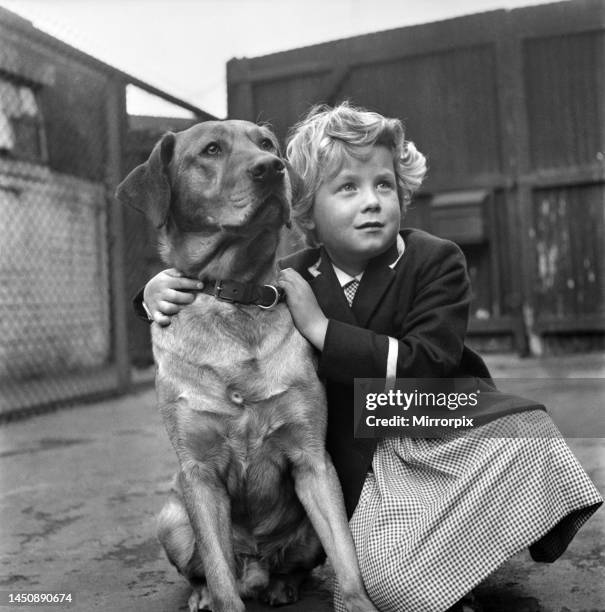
x: 350, y: 289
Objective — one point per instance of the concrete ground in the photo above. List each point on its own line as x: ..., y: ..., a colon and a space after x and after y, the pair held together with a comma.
x: 80, y: 487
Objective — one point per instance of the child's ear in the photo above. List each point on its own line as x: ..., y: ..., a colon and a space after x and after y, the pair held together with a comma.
x: 310, y: 224
x: 307, y: 224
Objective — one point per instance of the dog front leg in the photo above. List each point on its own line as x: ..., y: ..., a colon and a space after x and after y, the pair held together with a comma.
x: 319, y: 491
x: 209, y: 511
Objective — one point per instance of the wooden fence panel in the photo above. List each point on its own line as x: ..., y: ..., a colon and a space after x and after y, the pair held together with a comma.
x: 294, y: 96
x: 569, y: 255
x: 562, y: 75
x: 448, y: 102
x: 508, y: 106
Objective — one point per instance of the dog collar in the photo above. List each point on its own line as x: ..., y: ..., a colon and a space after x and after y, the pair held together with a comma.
x: 263, y: 296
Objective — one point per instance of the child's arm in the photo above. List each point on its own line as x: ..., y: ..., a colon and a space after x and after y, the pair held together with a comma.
x: 306, y: 313
x: 428, y: 342
x: 166, y: 294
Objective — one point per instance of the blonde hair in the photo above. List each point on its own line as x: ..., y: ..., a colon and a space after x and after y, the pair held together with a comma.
x: 317, y: 147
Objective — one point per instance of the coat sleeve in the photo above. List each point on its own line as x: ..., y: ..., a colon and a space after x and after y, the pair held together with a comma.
x: 137, y: 305
x: 427, y: 342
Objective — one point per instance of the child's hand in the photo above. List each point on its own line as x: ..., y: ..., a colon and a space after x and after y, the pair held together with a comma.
x: 166, y: 293
x: 308, y: 316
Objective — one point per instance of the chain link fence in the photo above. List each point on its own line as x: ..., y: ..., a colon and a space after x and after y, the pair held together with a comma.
x: 64, y: 145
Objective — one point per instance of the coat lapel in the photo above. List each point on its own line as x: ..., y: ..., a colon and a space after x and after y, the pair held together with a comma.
x: 329, y: 293
x: 376, y: 280
x: 316, y: 267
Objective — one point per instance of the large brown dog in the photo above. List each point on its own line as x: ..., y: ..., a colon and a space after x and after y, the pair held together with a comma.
x: 236, y: 383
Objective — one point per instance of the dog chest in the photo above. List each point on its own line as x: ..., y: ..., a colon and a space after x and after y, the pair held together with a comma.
x: 229, y: 357
x: 248, y: 454
x: 237, y: 386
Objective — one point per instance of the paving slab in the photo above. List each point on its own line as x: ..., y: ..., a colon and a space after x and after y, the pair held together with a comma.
x: 80, y: 489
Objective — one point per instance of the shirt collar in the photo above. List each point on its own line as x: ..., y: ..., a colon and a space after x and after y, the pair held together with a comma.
x: 344, y: 278
x: 400, y: 244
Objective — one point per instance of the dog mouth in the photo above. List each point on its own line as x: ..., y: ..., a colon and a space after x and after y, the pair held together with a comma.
x: 270, y: 210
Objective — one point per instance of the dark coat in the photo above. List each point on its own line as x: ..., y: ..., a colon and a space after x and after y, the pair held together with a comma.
x: 408, y: 320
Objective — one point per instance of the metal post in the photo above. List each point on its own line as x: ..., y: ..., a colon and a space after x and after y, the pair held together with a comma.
x: 116, y: 127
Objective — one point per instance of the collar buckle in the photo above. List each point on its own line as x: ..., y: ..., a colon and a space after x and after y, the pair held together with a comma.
x: 218, y: 288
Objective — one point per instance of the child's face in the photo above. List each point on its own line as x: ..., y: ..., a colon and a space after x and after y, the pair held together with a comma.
x: 356, y: 212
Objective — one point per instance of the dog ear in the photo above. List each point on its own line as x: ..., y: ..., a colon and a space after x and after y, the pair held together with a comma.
x: 147, y: 187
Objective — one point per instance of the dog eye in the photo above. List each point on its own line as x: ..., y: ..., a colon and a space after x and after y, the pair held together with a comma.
x: 212, y: 148
x: 267, y: 144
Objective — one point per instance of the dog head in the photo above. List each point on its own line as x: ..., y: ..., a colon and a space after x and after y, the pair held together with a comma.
x: 218, y: 180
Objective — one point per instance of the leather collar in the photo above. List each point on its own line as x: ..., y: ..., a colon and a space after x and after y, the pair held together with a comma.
x: 227, y: 290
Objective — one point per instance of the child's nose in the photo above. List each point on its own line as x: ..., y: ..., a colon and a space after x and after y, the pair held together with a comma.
x: 370, y: 201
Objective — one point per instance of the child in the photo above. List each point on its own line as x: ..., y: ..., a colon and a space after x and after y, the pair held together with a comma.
x: 431, y: 518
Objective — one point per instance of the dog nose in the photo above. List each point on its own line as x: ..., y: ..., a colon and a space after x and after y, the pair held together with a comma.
x: 267, y: 170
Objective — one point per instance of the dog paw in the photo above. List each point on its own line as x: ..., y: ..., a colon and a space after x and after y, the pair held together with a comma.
x: 200, y: 599
x: 254, y: 578
x: 281, y: 591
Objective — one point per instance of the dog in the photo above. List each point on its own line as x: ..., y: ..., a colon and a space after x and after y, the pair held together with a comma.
x: 256, y: 496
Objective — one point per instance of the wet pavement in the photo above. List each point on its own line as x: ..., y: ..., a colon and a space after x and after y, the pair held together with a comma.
x: 80, y: 489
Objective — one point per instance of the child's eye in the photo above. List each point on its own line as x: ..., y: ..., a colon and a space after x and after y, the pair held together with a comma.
x: 385, y: 185
x: 347, y: 187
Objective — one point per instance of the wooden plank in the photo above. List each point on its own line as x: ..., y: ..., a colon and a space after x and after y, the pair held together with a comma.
x: 516, y: 160
x: 282, y: 106
x: 569, y: 224
x: 264, y: 75
x: 440, y: 36
x: 504, y: 263
x: 334, y: 82
x: 494, y: 236
x: 562, y: 98
x: 445, y: 87
x: 559, y: 18
x: 494, y: 325
x: 379, y: 47
x: 585, y: 323
x: 240, y: 99
x: 570, y: 175
x: 449, y: 182
x: 600, y: 92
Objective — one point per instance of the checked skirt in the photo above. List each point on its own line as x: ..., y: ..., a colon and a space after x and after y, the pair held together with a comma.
x: 437, y: 516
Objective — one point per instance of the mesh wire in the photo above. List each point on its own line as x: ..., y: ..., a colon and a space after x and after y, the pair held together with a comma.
x: 55, y: 298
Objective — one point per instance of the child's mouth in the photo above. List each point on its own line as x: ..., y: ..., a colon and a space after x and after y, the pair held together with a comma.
x: 370, y: 225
